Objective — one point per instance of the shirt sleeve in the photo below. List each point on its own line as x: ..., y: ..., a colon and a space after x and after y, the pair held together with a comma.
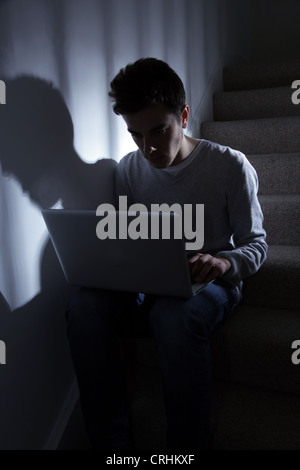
x: 246, y: 221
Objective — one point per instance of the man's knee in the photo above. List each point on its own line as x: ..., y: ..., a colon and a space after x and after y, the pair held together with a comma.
x: 169, y: 319
x: 193, y: 316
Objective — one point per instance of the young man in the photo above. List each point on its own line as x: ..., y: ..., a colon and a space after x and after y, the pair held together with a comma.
x: 168, y: 167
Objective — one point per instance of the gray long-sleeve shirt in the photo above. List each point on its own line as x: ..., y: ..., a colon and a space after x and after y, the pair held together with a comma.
x: 220, y: 178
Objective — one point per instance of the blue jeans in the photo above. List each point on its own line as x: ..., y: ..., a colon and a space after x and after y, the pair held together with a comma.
x: 181, y: 329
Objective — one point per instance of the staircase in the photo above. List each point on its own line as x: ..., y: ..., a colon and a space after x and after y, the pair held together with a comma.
x: 257, y: 386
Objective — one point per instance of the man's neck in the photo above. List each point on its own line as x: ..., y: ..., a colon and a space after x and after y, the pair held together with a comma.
x: 188, y: 146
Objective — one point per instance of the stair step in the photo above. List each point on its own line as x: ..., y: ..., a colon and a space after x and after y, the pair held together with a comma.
x: 276, y: 135
x: 276, y: 284
x: 254, y: 347
x: 278, y: 173
x: 281, y: 218
x: 261, y: 75
x: 243, y: 417
x: 254, y: 104
x: 252, y: 418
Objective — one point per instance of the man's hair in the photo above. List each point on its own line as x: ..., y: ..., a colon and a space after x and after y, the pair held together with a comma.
x: 145, y: 82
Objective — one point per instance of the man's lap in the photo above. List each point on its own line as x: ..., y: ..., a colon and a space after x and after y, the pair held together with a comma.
x: 130, y: 313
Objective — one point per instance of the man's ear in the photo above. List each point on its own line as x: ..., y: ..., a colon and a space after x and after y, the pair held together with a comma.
x: 185, y: 116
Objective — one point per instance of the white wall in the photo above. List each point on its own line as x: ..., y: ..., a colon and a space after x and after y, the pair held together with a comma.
x: 79, y: 45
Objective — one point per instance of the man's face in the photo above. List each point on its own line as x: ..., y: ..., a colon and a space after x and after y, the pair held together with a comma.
x: 158, y: 133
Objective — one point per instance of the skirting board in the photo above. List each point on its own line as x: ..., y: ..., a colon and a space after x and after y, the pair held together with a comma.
x: 204, y: 111
x: 63, y: 418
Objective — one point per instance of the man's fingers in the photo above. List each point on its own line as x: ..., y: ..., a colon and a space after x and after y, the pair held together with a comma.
x: 195, y: 258
x: 206, y: 268
x: 211, y: 275
x: 206, y: 274
x: 203, y: 268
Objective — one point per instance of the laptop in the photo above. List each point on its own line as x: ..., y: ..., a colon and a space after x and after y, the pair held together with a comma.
x: 153, y: 265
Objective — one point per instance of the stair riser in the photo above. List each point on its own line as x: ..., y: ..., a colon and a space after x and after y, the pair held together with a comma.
x: 273, y: 287
x: 276, y: 284
x: 254, y: 104
x: 261, y: 75
x: 279, y: 135
x: 281, y: 220
x: 277, y: 173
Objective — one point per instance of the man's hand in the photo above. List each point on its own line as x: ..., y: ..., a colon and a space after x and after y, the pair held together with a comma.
x: 206, y: 268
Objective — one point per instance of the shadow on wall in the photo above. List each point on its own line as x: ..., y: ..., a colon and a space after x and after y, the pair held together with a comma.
x: 36, y: 148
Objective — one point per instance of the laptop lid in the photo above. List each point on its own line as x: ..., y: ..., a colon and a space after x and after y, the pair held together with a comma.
x: 154, y: 265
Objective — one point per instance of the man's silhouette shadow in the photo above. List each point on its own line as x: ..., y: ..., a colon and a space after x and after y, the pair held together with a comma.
x: 36, y: 147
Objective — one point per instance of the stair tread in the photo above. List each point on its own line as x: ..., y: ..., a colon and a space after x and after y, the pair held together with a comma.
x: 284, y: 198
x: 278, y: 154
x: 259, y: 121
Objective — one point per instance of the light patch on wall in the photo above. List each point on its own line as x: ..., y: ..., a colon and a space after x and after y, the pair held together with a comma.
x: 98, y: 136
x: 2, y: 92
x: 123, y: 142
x: 2, y: 352
x: 90, y: 122
x: 22, y: 240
